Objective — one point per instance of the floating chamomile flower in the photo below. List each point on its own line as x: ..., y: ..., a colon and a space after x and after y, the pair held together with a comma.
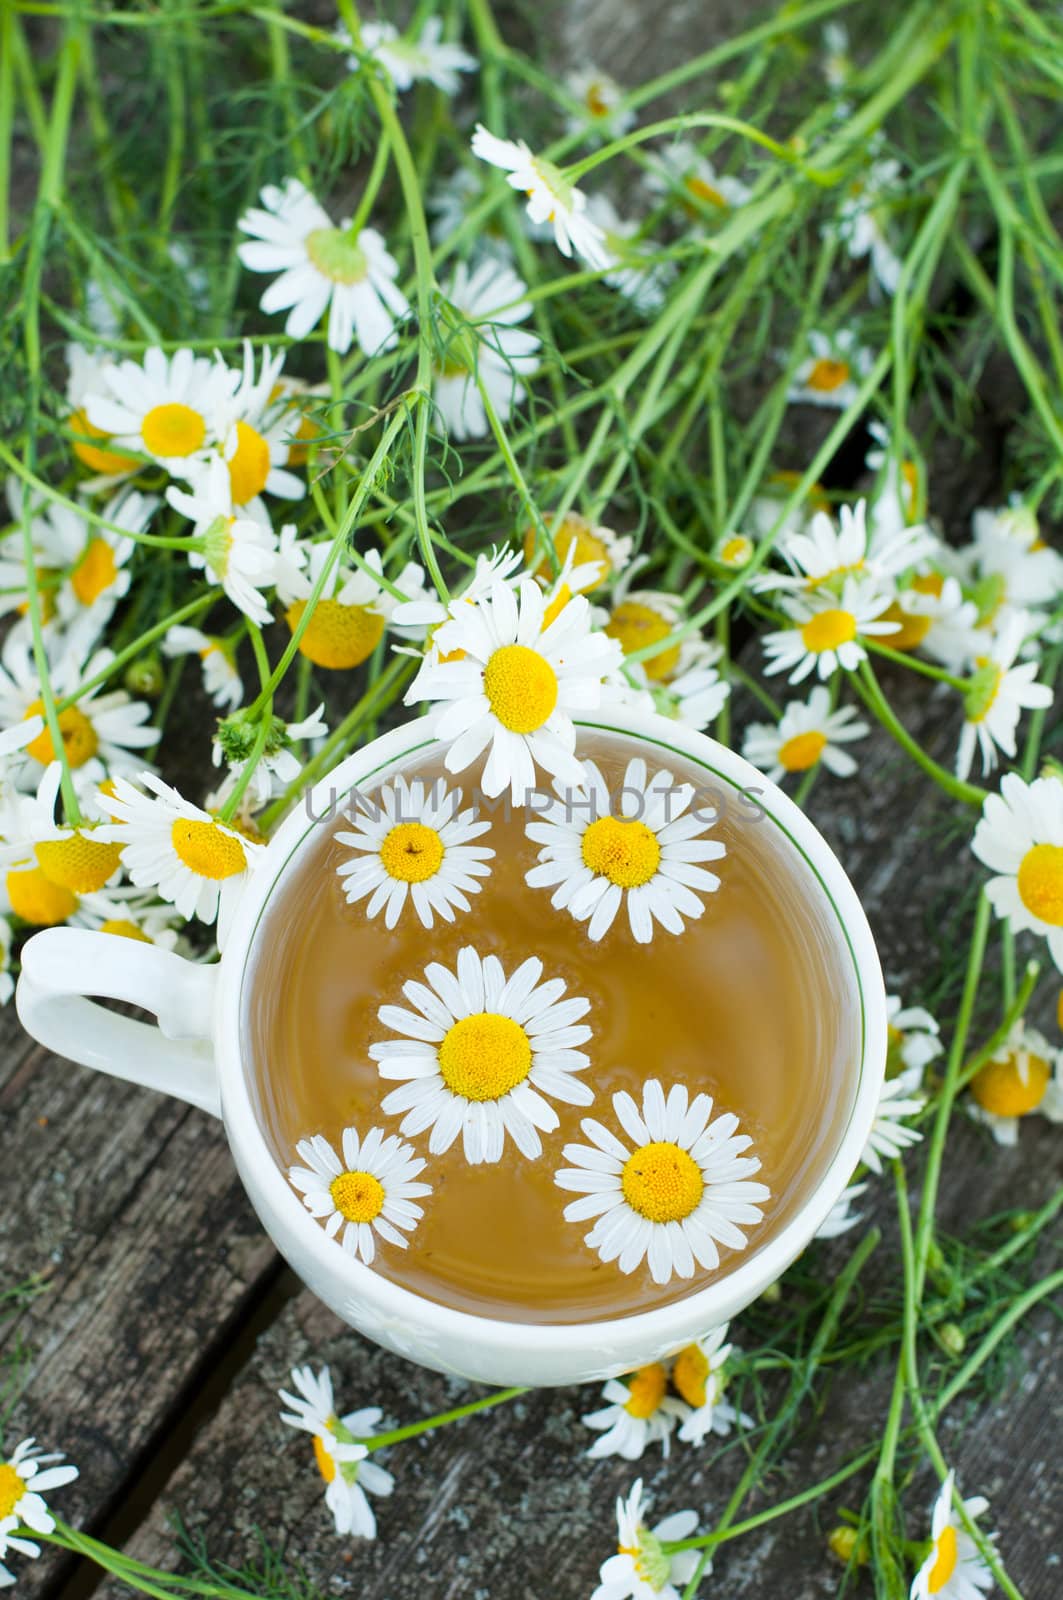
x: 371, y: 1191
x: 478, y: 1054
x: 197, y: 863
x: 426, y: 59
x: 649, y: 855
x: 162, y: 407
x: 1025, y: 1075
x: 484, y: 351
x: 999, y: 692
x: 221, y: 679
x: 913, y: 1039
x: 954, y: 1569
x: 99, y: 731
x: 589, y: 553
x: 25, y: 1477
x: 841, y: 1216
x: 805, y: 734
x: 1019, y: 837
x: 640, y: 1412
x: 641, y: 1570
x: 889, y: 1135
x: 342, y: 1460
x: 826, y: 631
x: 600, y: 99
x: 413, y: 844
x: 356, y: 605
x: 682, y: 1191
x: 832, y: 373
x: 683, y: 170
x: 699, y: 1374
x: 512, y: 682
x: 237, y: 552
x: 322, y: 267
x: 550, y: 196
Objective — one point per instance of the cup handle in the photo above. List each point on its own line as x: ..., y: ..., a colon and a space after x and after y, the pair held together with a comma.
x: 61, y: 967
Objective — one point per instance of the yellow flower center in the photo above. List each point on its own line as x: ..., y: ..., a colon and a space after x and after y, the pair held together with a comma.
x: 574, y: 531
x: 123, y: 929
x: 337, y: 636
x: 302, y: 439
x: 912, y: 629
x: 1040, y: 883
x: 946, y: 1554
x: 336, y: 255
x: 36, y: 899
x: 484, y: 1056
x: 662, y: 1182
x: 626, y: 853
x: 249, y: 465
x: 325, y: 1462
x: 827, y: 630
x: 358, y: 1196
x: 827, y: 375
x: 1013, y: 1087
x: 932, y: 583
x: 802, y: 751
x: 75, y: 730
x: 411, y: 852
x: 173, y: 430
x: 702, y: 190
x: 12, y: 1488
x: 80, y: 863
x: 521, y: 687
x: 95, y: 572
x: 47, y: 579
x: 595, y: 100
x: 207, y: 849
x: 690, y: 1374
x: 635, y: 626
x: 735, y: 551
x: 108, y: 462
x: 646, y: 1390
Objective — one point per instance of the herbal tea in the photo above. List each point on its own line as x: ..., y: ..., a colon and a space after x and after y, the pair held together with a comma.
x: 509, y: 1112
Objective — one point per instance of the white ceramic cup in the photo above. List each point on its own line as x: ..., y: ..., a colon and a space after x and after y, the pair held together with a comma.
x: 196, y: 1053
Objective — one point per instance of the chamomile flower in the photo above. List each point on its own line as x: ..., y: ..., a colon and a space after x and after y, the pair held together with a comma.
x: 650, y: 855
x: 197, y: 863
x: 278, y: 766
x: 161, y: 407
x: 683, y: 170
x: 238, y: 553
x: 642, y: 283
x: 550, y: 196
x: 954, y: 1569
x: 913, y: 1039
x: 864, y: 222
x: 695, y: 698
x: 322, y: 268
x: 100, y: 731
x: 478, y: 1054
x: 484, y: 350
x: 342, y: 1460
x: 936, y: 617
x: 413, y: 845
x: 370, y: 1191
x: 512, y: 683
x: 97, y: 559
x: 499, y: 565
x: 356, y: 605
x: 26, y: 1475
x: 699, y: 1374
x: 1019, y: 837
x: 1023, y: 1077
x: 999, y: 692
x: 826, y: 631
x: 645, y: 619
x: 427, y: 59
x: 841, y: 1216
x: 76, y: 860
x: 92, y: 445
x: 826, y: 554
x: 221, y: 679
x: 127, y: 913
x: 807, y: 732
x: 683, y: 1190
x: 1012, y: 564
x: 889, y: 1134
x: 832, y: 372
x: 641, y: 1570
x: 599, y: 98
x: 640, y: 1412
x: 589, y: 553
x: 254, y: 427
